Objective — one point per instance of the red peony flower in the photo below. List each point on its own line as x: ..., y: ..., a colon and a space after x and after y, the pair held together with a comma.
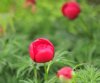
x: 66, y: 73
x: 71, y: 10
x: 41, y: 50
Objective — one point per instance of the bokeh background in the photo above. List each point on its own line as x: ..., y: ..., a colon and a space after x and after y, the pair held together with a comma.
x: 76, y: 42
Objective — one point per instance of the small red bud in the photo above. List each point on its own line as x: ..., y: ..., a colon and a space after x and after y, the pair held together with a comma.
x: 65, y: 72
x: 41, y: 50
x: 71, y: 10
x: 1, y: 31
x: 31, y: 1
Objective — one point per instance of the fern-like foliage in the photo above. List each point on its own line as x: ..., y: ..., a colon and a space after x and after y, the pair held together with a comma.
x: 89, y: 74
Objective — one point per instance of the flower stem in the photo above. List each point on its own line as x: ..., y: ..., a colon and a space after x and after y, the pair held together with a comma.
x: 46, y: 73
x: 46, y: 68
x: 35, y: 73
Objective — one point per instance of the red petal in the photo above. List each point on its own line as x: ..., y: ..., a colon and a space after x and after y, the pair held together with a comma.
x: 66, y: 72
x: 44, y: 55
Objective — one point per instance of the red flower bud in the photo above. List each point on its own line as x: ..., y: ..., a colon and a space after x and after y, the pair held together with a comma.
x: 31, y: 1
x: 71, y: 10
x: 1, y: 31
x: 41, y: 50
x: 66, y: 73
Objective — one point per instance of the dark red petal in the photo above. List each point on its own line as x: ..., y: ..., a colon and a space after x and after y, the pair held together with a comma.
x: 73, y: 4
x: 31, y: 51
x: 63, y: 8
x: 71, y: 12
x: 44, y: 55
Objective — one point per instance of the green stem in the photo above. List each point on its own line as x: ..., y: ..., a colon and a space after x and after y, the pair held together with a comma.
x: 35, y: 73
x: 12, y: 25
x: 84, y: 25
x: 46, y: 74
x: 46, y: 68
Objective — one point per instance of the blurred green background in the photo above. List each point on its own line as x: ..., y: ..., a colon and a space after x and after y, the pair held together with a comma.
x: 19, y: 26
